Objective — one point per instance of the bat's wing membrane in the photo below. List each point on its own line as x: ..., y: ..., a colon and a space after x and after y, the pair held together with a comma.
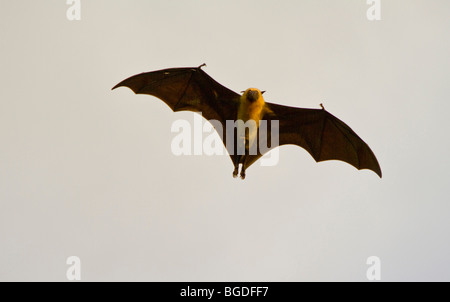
x: 322, y: 134
x: 187, y: 89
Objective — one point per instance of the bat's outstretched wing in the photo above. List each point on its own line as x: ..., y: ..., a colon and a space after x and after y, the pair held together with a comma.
x: 187, y: 89
x: 320, y: 133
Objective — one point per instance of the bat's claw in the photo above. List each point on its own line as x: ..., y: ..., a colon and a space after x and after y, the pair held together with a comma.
x: 235, y: 173
x: 242, y: 175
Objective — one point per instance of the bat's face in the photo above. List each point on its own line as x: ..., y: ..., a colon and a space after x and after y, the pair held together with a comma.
x: 252, y: 94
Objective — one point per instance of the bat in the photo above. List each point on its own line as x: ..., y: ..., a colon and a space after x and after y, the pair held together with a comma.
x: 319, y: 132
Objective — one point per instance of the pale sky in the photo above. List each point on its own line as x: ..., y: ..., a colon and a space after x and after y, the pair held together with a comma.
x: 89, y: 172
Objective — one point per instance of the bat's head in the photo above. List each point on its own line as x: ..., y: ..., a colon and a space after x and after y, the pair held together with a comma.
x: 252, y: 94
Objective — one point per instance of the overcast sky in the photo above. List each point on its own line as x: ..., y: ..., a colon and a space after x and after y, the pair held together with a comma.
x: 89, y: 172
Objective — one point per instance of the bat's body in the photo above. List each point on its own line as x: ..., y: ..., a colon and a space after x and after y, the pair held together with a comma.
x: 323, y: 135
x: 251, y: 108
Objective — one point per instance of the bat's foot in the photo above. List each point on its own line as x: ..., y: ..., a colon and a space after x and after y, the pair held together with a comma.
x: 242, y: 175
x: 235, y: 173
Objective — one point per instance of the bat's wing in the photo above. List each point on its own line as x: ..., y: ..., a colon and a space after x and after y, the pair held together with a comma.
x: 320, y: 133
x: 187, y: 89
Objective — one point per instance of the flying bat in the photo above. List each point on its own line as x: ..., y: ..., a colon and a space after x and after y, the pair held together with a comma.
x: 319, y: 132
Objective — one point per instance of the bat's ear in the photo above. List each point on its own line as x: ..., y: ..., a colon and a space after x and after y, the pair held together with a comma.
x: 262, y: 92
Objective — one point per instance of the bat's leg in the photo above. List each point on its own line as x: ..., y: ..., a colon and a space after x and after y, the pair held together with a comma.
x: 235, y: 172
x: 244, y: 158
x: 236, y: 166
x: 243, y: 172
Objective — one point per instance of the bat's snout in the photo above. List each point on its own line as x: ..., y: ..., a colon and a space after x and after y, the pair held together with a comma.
x: 252, y: 95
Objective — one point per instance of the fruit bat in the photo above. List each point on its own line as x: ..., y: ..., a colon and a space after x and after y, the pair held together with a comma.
x: 319, y: 132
